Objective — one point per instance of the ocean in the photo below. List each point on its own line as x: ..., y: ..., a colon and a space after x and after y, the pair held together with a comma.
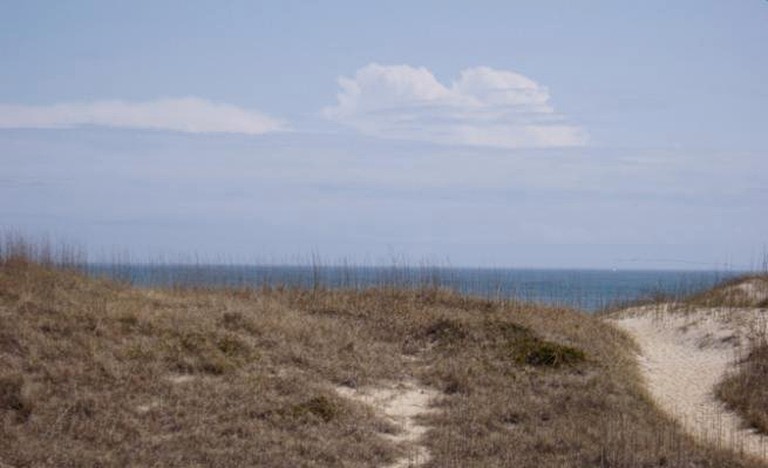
x: 588, y: 290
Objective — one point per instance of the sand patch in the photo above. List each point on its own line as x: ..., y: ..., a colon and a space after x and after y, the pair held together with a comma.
x: 401, y: 404
x: 180, y: 378
x: 755, y: 290
x: 684, y: 354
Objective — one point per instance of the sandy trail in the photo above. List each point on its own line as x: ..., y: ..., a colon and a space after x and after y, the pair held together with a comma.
x: 401, y: 404
x: 684, y: 355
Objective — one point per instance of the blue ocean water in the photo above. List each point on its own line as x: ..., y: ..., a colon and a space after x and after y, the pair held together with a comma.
x: 589, y: 290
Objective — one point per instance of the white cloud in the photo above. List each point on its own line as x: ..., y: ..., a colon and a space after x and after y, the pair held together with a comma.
x: 484, y: 107
x: 190, y: 115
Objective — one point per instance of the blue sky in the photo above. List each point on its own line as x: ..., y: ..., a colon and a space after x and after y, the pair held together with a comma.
x: 546, y: 134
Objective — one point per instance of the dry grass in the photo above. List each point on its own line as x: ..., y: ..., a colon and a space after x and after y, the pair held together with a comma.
x: 97, y: 373
x: 743, y: 291
x: 740, y: 305
x: 746, y: 391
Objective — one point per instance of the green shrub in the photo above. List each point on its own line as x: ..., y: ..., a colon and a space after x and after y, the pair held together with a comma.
x: 547, y: 354
x: 320, y: 407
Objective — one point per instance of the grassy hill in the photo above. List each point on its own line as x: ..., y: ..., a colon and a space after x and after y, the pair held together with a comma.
x: 96, y: 373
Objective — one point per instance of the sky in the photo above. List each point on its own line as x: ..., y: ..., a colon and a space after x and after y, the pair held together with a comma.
x: 558, y: 134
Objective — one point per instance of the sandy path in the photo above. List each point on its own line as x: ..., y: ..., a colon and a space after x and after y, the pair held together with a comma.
x: 401, y: 404
x: 684, y: 355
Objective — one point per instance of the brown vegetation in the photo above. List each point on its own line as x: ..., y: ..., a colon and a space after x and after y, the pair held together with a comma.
x: 98, y: 373
x: 746, y: 391
x: 742, y: 291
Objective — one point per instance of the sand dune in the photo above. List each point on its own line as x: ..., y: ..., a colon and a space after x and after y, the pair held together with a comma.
x: 684, y: 354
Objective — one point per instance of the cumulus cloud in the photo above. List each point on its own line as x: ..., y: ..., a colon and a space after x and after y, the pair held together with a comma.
x: 484, y: 107
x: 190, y: 115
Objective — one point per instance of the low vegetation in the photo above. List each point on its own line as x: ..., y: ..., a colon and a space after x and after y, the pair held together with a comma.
x: 746, y: 391
x: 94, y: 372
x: 742, y: 291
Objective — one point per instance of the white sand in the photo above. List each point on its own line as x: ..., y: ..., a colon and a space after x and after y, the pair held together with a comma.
x: 401, y: 404
x: 684, y: 354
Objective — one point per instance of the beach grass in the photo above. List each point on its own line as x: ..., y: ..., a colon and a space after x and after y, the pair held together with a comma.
x: 746, y: 389
x: 95, y: 372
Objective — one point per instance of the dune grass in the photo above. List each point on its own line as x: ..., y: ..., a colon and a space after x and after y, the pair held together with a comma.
x: 94, y: 372
x: 749, y: 290
x: 745, y: 390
